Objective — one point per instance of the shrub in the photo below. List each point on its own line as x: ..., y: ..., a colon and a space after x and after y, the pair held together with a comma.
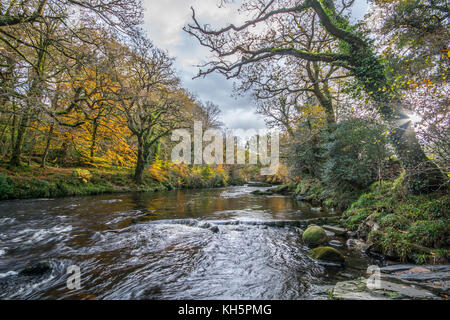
x: 5, y: 187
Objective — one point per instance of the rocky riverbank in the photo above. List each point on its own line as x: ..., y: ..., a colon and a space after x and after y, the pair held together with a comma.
x: 394, y: 281
x: 397, y: 282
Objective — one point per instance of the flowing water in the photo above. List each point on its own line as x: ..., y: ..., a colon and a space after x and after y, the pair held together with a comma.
x: 164, y: 246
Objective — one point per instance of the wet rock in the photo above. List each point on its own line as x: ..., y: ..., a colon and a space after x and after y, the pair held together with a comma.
x: 258, y: 184
x: 321, y: 221
x: 214, y: 229
x: 336, y: 243
x: 351, y: 234
x: 300, y: 197
x: 299, y: 230
x: 366, y: 227
x: 330, y: 234
x: 433, y: 278
x: 356, y: 262
x: 397, y: 268
x: 205, y: 225
x: 327, y: 254
x: 358, y: 245
x: 37, y: 269
x: 417, y: 270
x: 404, y: 267
x: 283, y: 189
x: 353, y: 290
x: 328, y: 264
x: 314, y: 236
x: 422, y: 277
x: 262, y: 193
x: 337, y: 230
x: 382, y: 290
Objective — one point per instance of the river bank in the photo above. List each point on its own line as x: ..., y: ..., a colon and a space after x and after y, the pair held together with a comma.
x: 31, y: 182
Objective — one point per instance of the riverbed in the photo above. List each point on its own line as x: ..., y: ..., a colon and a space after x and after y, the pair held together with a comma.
x: 184, y: 244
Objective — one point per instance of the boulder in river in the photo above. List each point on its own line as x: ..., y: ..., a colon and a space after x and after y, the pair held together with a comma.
x: 337, y: 230
x: 37, y: 269
x: 205, y: 225
x: 214, y: 229
x: 327, y: 254
x: 357, y: 245
x: 314, y: 236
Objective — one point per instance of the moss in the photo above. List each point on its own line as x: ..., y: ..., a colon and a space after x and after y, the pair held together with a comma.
x: 314, y: 236
x: 327, y: 254
x: 411, y: 227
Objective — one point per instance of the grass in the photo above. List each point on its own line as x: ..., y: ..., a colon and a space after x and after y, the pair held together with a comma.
x: 403, y: 226
x: 34, y: 182
x: 315, y: 192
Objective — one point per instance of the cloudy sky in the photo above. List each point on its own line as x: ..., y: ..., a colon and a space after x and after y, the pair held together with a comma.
x: 164, y: 21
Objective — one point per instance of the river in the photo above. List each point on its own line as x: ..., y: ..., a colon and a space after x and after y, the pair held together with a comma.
x: 164, y: 246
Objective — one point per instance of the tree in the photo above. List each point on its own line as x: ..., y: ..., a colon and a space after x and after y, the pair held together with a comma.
x: 298, y: 82
x: 209, y: 115
x: 150, y: 99
x: 119, y: 13
x: 34, y: 34
x: 238, y: 46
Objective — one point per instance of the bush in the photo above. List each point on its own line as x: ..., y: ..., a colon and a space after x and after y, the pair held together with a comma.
x: 5, y: 187
x: 342, y: 162
x: 354, y: 153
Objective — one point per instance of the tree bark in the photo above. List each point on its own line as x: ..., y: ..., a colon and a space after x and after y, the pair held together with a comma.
x: 422, y: 174
x: 47, y: 145
x: 17, y: 148
x: 141, y: 162
x: 94, y: 139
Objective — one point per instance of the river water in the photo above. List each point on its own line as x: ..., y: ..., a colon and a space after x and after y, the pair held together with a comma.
x: 161, y: 246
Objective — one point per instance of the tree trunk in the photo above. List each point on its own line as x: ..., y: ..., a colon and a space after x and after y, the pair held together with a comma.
x: 64, y: 151
x: 94, y: 140
x: 423, y: 175
x: 31, y: 151
x: 47, y: 145
x: 17, y: 149
x: 141, y: 162
x: 13, y: 132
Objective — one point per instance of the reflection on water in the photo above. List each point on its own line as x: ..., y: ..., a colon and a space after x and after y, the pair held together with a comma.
x: 124, y: 255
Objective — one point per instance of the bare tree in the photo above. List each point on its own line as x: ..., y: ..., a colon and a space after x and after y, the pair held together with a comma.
x: 120, y: 13
x: 209, y: 114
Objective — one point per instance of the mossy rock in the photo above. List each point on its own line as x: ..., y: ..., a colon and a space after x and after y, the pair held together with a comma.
x: 314, y: 236
x: 327, y: 254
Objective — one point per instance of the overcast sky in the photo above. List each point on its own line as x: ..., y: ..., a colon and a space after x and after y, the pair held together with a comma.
x: 164, y: 21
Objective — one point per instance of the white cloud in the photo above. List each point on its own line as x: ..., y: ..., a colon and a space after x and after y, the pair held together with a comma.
x: 165, y: 19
